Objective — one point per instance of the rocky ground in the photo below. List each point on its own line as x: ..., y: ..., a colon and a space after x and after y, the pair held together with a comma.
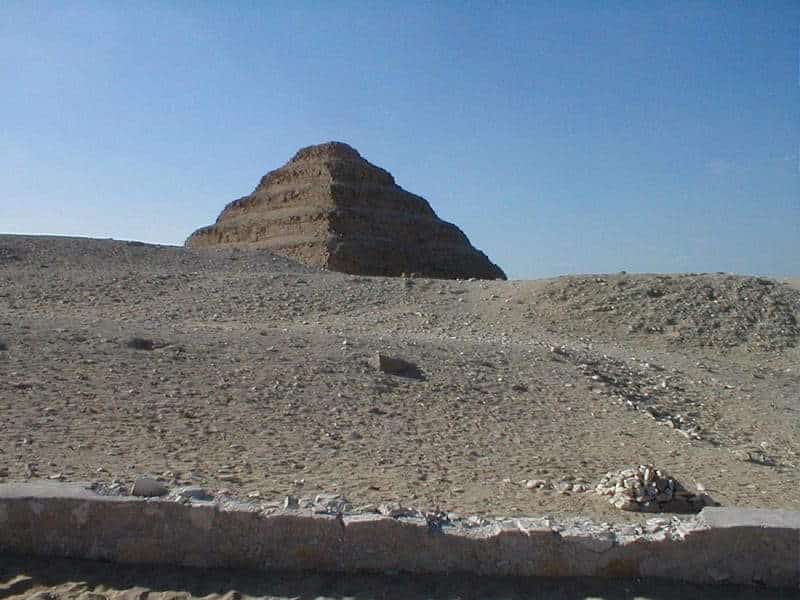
x: 248, y: 373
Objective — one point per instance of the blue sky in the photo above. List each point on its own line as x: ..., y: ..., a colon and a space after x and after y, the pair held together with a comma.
x: 574, y: 138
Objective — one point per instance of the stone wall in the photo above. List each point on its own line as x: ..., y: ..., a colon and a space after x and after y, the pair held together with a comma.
x: 68, y: 520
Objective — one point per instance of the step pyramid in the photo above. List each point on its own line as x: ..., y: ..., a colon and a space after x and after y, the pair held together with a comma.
x: 329, y: 207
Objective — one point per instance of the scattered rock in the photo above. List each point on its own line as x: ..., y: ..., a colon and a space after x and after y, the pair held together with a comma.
x: 396, y: 510
x: 536, y: 484
x: 331, y: 503
x: 563, y: 486
x: 148, y: 487
x: 634, y: 386
x: 760, y: 457
x: 115, y: 488
x: 8, y: 254
x: 715, y: 310
x: 291, y: 503
x: 194, y: 493
x: 475, y: 521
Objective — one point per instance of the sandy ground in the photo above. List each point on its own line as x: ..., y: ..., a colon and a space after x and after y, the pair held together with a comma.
x: 84, y: 580
x: 260, y: 384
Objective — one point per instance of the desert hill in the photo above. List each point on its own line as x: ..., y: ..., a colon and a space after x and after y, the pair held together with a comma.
x: 720, y: 310
x: 257, y: 379
x: 329, y: 207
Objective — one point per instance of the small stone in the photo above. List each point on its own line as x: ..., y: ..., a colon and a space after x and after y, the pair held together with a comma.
x: 625, y: 504
x: 148, y: 488
x: 291, y: 503
x: 475, y: 521
x: 325, y: 498
x: 393, y: 366
x: 395, y: 510
x: 331, y: 503
x: 656, y: 524
x: 138, y: 343
x: 194, y: 493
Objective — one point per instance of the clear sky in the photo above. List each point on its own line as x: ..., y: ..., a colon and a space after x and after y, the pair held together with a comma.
x: 561, y: 137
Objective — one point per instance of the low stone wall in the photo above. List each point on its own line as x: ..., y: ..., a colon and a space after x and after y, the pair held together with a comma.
x: 69, y: 520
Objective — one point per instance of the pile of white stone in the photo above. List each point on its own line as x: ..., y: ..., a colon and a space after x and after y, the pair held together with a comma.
x: 648, y: 489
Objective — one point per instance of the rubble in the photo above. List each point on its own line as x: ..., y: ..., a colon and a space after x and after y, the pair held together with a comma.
x: 649, y: 489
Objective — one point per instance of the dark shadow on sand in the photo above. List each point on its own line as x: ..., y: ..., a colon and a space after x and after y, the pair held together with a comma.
x: 199, y: 583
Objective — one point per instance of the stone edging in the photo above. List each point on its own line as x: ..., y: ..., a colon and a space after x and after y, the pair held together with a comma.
x: 743, y: 546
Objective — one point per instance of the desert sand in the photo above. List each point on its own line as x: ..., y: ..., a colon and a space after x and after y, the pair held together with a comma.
x: 255, y: 380
x: 253, y: 376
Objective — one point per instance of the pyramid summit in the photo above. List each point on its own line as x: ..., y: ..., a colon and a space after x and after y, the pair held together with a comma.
x: 329, y: 207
